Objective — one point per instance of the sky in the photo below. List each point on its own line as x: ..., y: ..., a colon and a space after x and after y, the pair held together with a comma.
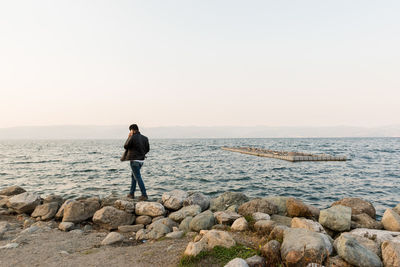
x: 199, y: 63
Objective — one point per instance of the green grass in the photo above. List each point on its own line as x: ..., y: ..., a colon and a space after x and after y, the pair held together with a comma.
x: 218, y: 255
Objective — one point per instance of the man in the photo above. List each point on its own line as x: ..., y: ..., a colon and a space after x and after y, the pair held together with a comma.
x: 137, y: 146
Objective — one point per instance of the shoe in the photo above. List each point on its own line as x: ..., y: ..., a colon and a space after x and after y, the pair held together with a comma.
x: 143, y: 198
x: 130, y: 196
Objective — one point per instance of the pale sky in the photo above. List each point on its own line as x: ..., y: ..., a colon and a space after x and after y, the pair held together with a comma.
x: 204, y: 63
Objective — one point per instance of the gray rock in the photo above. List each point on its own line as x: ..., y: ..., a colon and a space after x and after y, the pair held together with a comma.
x: 87, y: 228
x: 226, y: 217
x: 258, y: 205
x: 301, y: 246
x: 237, y: 262
x: 277, y: 233
x: 379, y: 236
x: 363, y: 220
x: 391, y: 220
x: 4, y: 226
x: 66, y: 226
x: 185, y: 224
x: 391, y: 253
x: 337, y: 218
x: 157, y: 231
x: 54, y: 198
x: 354, y: 253
x: 280, y: 202
x: 282, y: 220
x: 12, y: 191
x: 24, y: 202
x: 110, y: 200
x: 240, y: 225
x: 264, y: 226
x: 357, y: 205
x: 166, y: 221
x: 112, y: 238
x: 271, y: 252
x: 81, y: 210
x: 152, y: 209
x: 130, y: 228
x: 174, y: 200
x: 46, y: 211
x: 143, y: 219
x: 76, y: 232
x: 175, y: 235
x: 257, y: 216
x: 184, y: 212
x: 110, y: 218
x: 364, y: 241
x: 226, y: 200
x: 125, y: 205
x: 141, y: 234
x: 202, y: 221
x: 197, y: 198
x: 30, y: 230
x: 256, y: 261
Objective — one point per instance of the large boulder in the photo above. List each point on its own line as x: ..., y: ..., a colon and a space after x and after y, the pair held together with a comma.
x: 185, y: 224
x: 197, y: 198
x: 337, y: 218
x: 391, y: 253
x: 12, y: 191
x: 174, y: 200
x: 301, y: 246
x: 202, y: 221
x: 184, y: 212
x: 391, y: 220
x: 280, y: 202
x: 307, y: 224
x: 357, y: 206
x: 157, y: 231
x: 45, y: 211
x: 226, y: 217
x: 296, y: 208
x: 81, y: 210
x: 24, y: 203
x: 363, y: 220
x: 258, y: 205
x: 369, y: 244
x: 379, y: 236
x: 349, y: 249
x: 152, y: 209
x: 283, y: 220
x: 110, y: 218
x: 60, y: 212
x: 226, y: 200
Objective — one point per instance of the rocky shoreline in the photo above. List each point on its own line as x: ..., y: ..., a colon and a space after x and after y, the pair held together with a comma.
x: 292, y: 233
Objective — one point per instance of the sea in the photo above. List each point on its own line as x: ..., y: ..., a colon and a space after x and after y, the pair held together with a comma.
x: 75, y: 168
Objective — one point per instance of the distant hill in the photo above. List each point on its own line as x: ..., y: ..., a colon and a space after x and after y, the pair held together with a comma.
x: 120, y: 132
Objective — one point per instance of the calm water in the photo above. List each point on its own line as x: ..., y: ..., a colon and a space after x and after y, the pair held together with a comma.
x: 91, y: 167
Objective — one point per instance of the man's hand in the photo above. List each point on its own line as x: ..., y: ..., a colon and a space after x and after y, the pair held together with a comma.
x: 130, y: 133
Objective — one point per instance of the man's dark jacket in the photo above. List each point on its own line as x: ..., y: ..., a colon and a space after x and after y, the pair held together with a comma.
x: 137, y: 146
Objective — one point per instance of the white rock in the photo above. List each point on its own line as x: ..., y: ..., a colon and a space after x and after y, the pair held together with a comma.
x: 240, y: 225
x: 112, y: 238
x: 237, y: 262
x: 257, y: 216
x: 152, y: 209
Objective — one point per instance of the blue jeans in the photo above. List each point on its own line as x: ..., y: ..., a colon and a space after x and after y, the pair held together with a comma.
x: 137, y: 177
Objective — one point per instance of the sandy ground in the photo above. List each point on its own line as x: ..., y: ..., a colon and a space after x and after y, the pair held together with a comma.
x: 51, y: 247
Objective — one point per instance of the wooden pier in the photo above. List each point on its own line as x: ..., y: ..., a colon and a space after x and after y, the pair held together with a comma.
x: 284, y: 155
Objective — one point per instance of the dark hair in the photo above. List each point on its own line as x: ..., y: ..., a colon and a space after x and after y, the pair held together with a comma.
x: 134, y: 127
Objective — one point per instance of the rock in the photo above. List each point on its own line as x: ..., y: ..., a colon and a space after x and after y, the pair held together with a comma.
x: 264, y: 226
x: 257, y: 205
x: 152, y: 209
x: 364, y: 241
x: 112, y: 238
x: 24, y: 202
x: 45, y: 211
x: 357, y: 206
x: 337, y: 218
x: 391, y: 253
x: 233, y: 208
x: 157, y: 231
x: 144, y: 219
x: 364, y: 221
x: 60, y: 212
x: 174, y: 200
x: 226, y: 200
x: 30, y: 230
x: 391, y: 220
x: 66, y: 226
x: 54, y: 198
x: 256, y: 261
x: 282, y: 220
x: 194, y: 248
x: 78, y: 211
x: 141, y: 234
x: 354, y: 253
x: 175, y: 235
x: 397, y: 209
x: 271, y: 252
x: 184, y: 212
x: 296, y: 208
x: 314, y: 211
x: 110, y: 200
x: 185, y: 224
x: 166, y: 221
x: 130, y: 228
x: 221, y: 227
x: 240, y: 225
x: 277, y: 233
x: 110, y: 218
x: 217, y: 238
x: 337, y: 261
x: 10, y: 245
x: 301, y: 246
x: 307, y: 224
x: 76, y: 232
x: 280, y: 202
x: 12, y: 191
x: 237, y: 262
x: 125, y: 205
x: 197, y: 198
x: 4, y: 226
x: 3, y: 201
x: 257, y: 216
x: 379, y: 236
x: 202, y: 221
x: 226, y: 217
x: 87, y: 228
